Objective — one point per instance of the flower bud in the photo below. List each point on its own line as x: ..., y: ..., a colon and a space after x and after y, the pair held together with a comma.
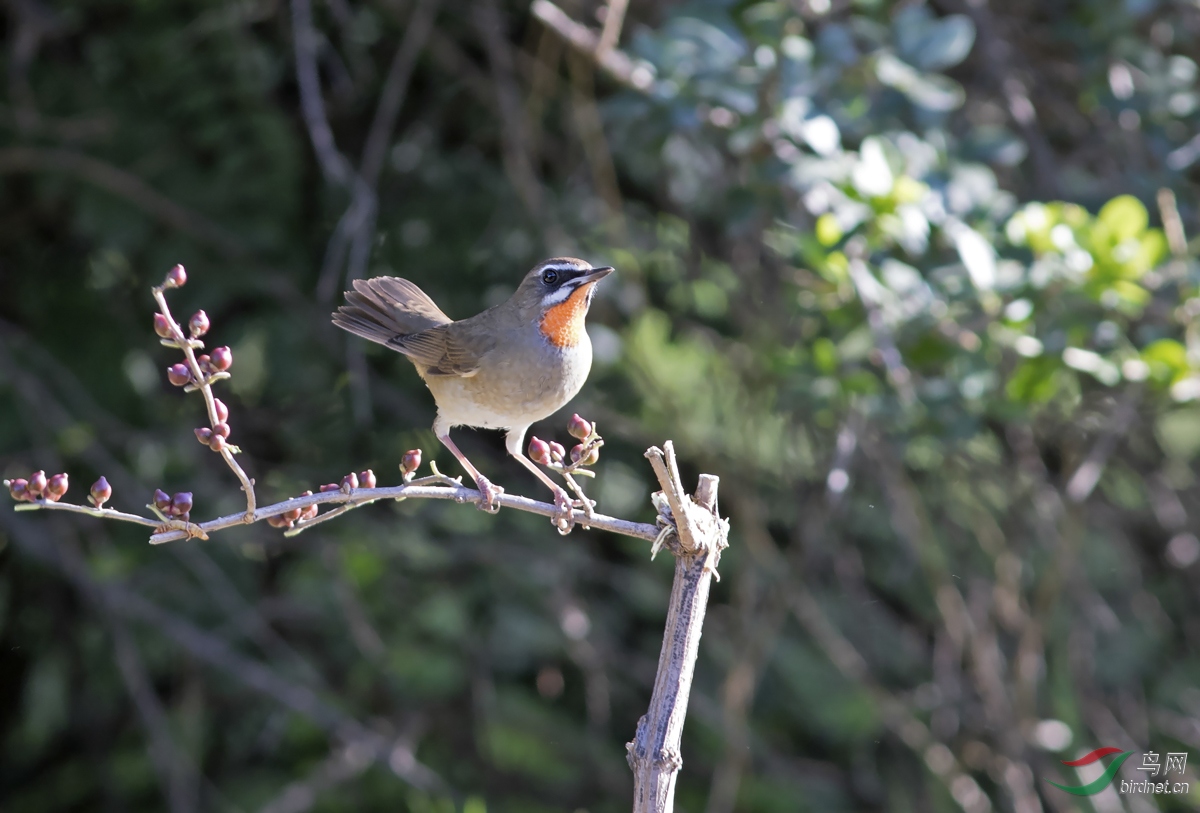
x: 179, y: 374
x: 56, y: 487
x: 99, y: 493
x: 204, y: 362
x: 186, y: 516
x: 176, y: 277
x: 278, y: 521
x: 217, y: 443
x: 294, y: 514
x: 222, y: 359
x: 350, y: 481
x: 310, y: 512
x: 203, y: 434
x: 557, y: 452
x: 162, y: 500
x: 19, y: 490
x: 577, y: 452
x: 329, y: 487
x: 578, y: 427
x: 539, y: 451
x: 410, y: 462
x: 161, y: 326
x: 366, y: 479
x: 221, y: 429
x: 181, y: 503
x: 37, y: 483
x: 221, y: 410
x: 198, y: 324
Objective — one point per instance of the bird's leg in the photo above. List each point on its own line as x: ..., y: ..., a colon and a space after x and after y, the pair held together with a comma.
x: 489, y: 491
x: 565, y: 517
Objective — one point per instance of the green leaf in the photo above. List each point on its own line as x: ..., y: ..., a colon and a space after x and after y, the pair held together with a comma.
x: 1125, y: 217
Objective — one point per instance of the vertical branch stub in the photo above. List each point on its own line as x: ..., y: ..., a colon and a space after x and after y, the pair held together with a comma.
x: 654, y: 755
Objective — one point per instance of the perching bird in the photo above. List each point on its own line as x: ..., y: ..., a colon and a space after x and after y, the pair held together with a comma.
x: 505, y: 368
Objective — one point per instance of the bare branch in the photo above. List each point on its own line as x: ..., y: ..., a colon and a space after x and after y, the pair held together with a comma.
x: 334, y: 165
x: 614, y: 20
x: 701, y: 535
x: 614, y: 62
x: 124, y: 185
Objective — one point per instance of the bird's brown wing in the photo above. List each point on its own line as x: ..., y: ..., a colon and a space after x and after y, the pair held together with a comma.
x: 448, y: 350
x: 385, y: 308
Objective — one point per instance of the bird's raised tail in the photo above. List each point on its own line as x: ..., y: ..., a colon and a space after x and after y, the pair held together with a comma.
x: 384, y: 308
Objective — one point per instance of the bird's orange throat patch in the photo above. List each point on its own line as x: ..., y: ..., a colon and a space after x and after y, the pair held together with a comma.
x: 562, y: 324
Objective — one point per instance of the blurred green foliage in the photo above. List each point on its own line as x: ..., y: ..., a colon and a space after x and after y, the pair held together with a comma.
x: 914, y: 278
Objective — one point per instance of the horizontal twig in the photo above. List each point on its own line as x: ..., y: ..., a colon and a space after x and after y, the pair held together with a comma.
x: 351, y: 497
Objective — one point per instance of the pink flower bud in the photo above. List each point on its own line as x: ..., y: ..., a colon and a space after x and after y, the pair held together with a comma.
x: 179, y: 374
x: 350, y: 481
x: 578, y: 427
x: 198, y: 324
x: 410, y: 462
x: 217, y: 443
x: 186, y: 516
x: 161, y: 326
x: 222, y: 359
x: 203, y: 434
x: 539, y: 451
x: 221, y: 429
x: 37, y: 483
x: 294, y: 514
x: 100, y: 493
x: 204, y: 362
x: 329, y: 487
x: 221, y: 409
x: 181, y: 503
x: 366, y: 479
x: 278, y: 521
x: 19, y: 490
x: 310, y: 512
x: 557, y: 452
x: 176, y: 277
x: 162, y: 500
x: 56, y: 487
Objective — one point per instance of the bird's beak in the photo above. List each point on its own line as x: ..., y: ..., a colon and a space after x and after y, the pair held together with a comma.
x: 595, y: 275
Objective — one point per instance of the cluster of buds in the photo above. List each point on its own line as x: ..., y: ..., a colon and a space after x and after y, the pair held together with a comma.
x: 585, y: 453
x: 38, y: 487
x: 352, y: 481
x: 216, y: 437
x: 177, y: 506
x: 288, y: 519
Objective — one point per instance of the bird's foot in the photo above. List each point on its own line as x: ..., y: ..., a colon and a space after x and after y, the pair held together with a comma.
x: 491, y: 495
x: 564, y: 512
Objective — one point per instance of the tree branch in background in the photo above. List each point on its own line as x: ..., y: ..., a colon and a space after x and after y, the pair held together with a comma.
x: 614, y: 62
x: 125, y: 185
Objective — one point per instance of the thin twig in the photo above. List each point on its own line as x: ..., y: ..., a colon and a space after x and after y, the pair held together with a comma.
x: 614, y: 20
x: 334, y: 165
x: 1085, y: 478
x: 355, y: 498
x: 203, y: 382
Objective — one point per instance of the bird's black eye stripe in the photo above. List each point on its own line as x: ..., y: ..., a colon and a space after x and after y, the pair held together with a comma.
x: 549, y: 276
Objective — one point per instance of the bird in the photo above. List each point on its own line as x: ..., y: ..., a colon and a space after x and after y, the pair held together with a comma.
x: 505, y: 368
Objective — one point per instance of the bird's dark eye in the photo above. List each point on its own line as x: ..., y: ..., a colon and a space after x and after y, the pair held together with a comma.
x: 549, y: 276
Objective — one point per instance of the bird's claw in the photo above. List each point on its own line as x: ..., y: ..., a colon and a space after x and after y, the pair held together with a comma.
x: 564, y: 514
x: 490, y: 503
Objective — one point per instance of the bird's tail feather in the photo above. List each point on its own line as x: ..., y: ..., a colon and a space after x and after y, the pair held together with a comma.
x: 385, y: 308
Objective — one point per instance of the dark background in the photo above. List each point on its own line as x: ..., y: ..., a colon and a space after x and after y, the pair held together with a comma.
x: 955, y: 426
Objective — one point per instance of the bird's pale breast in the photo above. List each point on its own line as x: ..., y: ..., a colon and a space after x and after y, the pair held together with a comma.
x: 517, y: 384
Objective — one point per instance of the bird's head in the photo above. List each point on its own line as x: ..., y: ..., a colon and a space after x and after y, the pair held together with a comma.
x: 556, y: 295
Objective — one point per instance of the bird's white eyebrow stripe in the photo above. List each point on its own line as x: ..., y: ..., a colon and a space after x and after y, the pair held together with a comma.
x: 565, y: 267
